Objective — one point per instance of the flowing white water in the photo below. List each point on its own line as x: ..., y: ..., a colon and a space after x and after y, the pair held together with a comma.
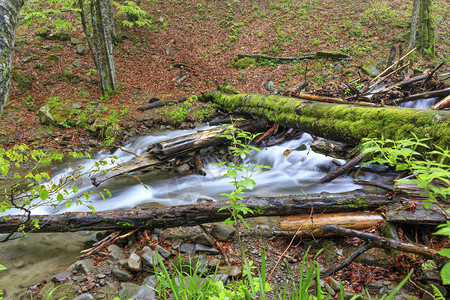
x: 287, y: 175
x: 422, y: 103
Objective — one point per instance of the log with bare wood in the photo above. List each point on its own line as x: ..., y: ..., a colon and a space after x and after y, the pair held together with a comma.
x: 339, y: 122
x: 356, y: 220
x: 194, y: 214
x: 444, y: 103
x: 200, y: 139
x: 404, y: 83
x: 342, y: 169
x: 424, y: 95
x: 173, y: 147
x: 199, y: 168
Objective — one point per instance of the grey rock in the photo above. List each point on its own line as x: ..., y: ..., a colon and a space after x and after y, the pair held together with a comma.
x: 81, y: 49
x: 270, y: 86
x: 68, y: 72
x: 348, y: 295
x: 45, y: 116
x: 84, y: 266
x: 338, y: 69
x: 76, y: 63
x: 76, y: 105
x: 206, y: 249
x: 94, y: 237
x: 187, y: 248
x: 176, y: 243
x: 121, y: 275
x: 28, y: 58
x: 33, y: 108
x: 328, y: 289
x: 203, y: 239
x: 61, y: 277
x: 150, y: 281
x: 116, y: 252
x: 222, y: 232
x: 374, y: 71
x: 101, y: 276
x: 187, y: 262
x: 75, y: 41
x: 375, y: 286
x: 134, y: 262
x: 84, y: 297
x: 137, y: 293
x: 183, y: 168
x: 164, y: 253
x: 232, y: 271
x: 335, y: 285
x: 150, y: 257
x: 92, y: 143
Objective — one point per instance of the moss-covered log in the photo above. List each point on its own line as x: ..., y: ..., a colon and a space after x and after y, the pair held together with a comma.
x: 339, y: 122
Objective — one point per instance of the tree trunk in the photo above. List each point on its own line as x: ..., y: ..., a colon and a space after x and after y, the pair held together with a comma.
x: 340, y: 122
x: 9, y: 13
x: 103, y: 24
x: 427, y: 35
x: 414, y: 18
x: 87, y: 33
x: 195, y: 214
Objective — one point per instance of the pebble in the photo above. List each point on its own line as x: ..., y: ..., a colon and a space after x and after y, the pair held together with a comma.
x: 134, y: 262
x: 84, y: 297
x: 116, y: 252
x: 164, y: 253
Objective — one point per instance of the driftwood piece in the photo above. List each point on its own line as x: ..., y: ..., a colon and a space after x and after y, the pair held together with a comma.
x: 198, y: 163
x: 432, y: 72
x: 414, y: 213
x: 331, y: 148
x: 444, y: 103
x: 425, y: 95
x: 342, y: 169
x: 404, y: 83
x: 339, y: 122
x: 200, y: 139
x: 357, y: 220
x: 374, y: 82
x: 194, y: 214
x: 161, y: 103
x: 170, y: 148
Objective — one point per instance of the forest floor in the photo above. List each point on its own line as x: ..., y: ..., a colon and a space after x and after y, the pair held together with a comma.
x: 204, y: 37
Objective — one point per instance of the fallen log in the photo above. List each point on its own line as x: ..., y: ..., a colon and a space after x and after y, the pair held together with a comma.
x: 444, y: 103
x: 403, y: 83
x: 161, y: 103
x: 162, y: 151
x: 356, y: 220
x: 342, y: 169
x: 320, y: 54
x: 339, y: 122
x: 414, y: 213
x: 194, y: 214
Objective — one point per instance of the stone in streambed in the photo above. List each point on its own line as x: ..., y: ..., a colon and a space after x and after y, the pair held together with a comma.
x: 84, y: 297
x: 150, y: 257
x: 116, y: 252
x: 203, y: 239
x: 164, y: 253
x: 187, y: 262
x: 206, y: 249
x: 134, y: 262
x: 137, y: 293
x: 84, y: 266
x: 187, y: 248
x: 121, y: 275
x: 222, y: 232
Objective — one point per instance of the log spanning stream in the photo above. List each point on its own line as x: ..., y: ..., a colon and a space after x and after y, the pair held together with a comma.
x: 41, y: 255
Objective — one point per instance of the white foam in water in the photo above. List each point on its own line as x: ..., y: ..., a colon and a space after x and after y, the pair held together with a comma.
x: 422, y: 103
x: 287, y: 175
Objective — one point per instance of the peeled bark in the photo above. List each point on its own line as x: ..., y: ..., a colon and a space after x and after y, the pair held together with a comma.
x: 340, y: 122
x: 9, y: 13
x: 195, y: 214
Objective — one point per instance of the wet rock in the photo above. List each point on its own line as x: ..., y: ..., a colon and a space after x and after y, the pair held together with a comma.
x: 206, y: 249
x: 203, y: 239
x: 84, y: 266
x: 164, y: 253
x: 121, y: 275
x: 61, y: 277
x: 187, y: 248
x: 84, y: 297
x: 116, y: 252
x: 134, y: 262
x: 137, y: 293
x: 222, y: 232
x: 183, y: 168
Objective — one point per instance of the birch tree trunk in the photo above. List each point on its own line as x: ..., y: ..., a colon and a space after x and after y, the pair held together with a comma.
x: 103, y: 26
x: 9, y: 13
x: 414, y: 19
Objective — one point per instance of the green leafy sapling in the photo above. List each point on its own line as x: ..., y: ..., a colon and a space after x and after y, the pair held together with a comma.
x: 30, y: 186
x: 240, y: 174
